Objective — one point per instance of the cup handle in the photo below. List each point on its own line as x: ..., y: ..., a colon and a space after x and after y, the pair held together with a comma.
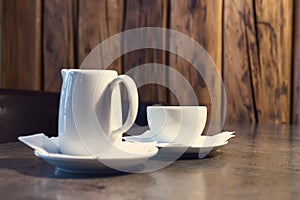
x: 133, y: 101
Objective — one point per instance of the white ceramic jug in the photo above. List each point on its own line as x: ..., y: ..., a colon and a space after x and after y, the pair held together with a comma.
x: 90, y: 111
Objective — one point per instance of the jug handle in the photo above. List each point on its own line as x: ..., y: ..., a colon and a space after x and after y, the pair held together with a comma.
x: 133, y: 101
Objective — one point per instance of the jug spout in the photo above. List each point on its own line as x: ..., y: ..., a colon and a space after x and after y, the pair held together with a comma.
x: 64, y: 73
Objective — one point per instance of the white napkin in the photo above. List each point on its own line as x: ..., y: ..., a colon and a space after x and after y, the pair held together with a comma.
x: 41, y: 142
x: 214, y: 139
x: 204, y: 141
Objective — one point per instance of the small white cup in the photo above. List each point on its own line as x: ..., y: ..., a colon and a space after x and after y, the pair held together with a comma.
x: 177, y: 124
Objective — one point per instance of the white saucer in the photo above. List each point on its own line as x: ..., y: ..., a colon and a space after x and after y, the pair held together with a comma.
x: 47, y: 149
x: 202, y: 147
x: 88, y: 165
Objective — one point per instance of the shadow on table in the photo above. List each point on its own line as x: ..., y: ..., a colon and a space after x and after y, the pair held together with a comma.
x: 38, y: 168
x: 196, y: 156
x: 173, y: 157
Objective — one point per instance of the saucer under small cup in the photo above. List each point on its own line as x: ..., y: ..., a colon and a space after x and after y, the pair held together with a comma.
x: 203, y: 146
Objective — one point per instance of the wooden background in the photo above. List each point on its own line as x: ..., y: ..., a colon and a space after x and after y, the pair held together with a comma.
x: 254, y: 43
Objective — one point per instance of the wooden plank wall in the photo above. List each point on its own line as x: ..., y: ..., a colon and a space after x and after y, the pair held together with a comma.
x: 272, y: 84
x: 145, y: 13
x: 196, y: 24
x: 240, y: 52
x: 257, y: 60
x: 98, y: 20
x: 296, y: 66
x: 58, y: 41
x: 21, y: 44
x: 254, y: 44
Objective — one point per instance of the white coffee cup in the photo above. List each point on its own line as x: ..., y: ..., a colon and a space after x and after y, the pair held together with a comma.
x: 176, y: 124
x: 90, y: 111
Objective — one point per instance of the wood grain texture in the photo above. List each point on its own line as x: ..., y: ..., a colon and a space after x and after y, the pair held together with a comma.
x: 296, y: 66
x: 97, y: 21
x: 240, y: 53
x: 144, y: 13
x: 249, y: 40
x: 272, y: 80
x: 58, y: 41
x: 21, y: 47
x: 195, y: 18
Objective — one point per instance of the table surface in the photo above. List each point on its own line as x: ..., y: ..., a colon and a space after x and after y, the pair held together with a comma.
x: 261, y: 162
